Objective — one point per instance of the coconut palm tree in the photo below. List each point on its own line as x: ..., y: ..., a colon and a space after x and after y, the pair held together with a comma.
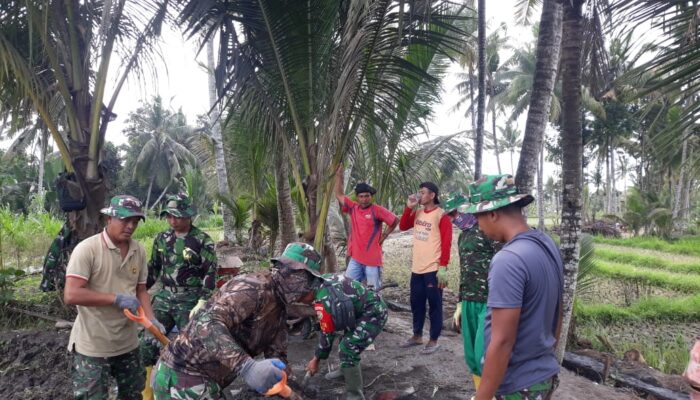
x: 481, y: 79
x: 316, y: 74
x: 676, y: 65
x: 57, y: 54
x: 495, y: 41
x: 162, y: 136
x: 222, y: 175
x: 510, y: 141
x: 544, y: 78
x: 572, y: 163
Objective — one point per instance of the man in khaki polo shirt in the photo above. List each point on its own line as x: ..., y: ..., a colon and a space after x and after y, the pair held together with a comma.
x: 106, y: 274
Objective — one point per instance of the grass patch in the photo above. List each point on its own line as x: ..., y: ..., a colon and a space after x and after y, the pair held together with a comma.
x: 689, y: 245
x: 24, y: 239
x: 27, y: 290
x: 681, y: 282
x: 149, y: 228
x: 646, y: 261
x: 684, y: 309
x: 667, y: 354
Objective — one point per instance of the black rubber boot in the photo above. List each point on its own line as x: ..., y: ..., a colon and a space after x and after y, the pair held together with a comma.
x: 353, y: 383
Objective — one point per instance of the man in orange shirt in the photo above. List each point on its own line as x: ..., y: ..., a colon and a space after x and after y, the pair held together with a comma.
x: 432, y: 240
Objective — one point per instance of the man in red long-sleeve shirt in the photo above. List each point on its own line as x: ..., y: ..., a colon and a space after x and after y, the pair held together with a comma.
x: 432, y: 239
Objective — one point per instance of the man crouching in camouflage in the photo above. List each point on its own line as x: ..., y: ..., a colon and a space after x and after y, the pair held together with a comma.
x: 346, y: 307
x: 245, y: 318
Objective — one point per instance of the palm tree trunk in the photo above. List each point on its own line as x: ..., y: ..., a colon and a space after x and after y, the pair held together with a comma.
x: 219, y: 157
x: 607, y: 180
x: 640, y: 171
x: 148, y: 192
x: 540, y: 192
x: 675, y: 215
x: 613, y: 185
x: 548, y: 48
x: 685, y: 214
x: 161, y: 195
x: 42, y: 161
x: 511, y: 161
x: 495, y: 136
x: 285, y: 210
x: 471, y: 99
x: 481, y: 101
x: 572, y: 164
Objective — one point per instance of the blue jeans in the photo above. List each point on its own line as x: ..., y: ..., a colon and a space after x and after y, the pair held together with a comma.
x: 360, y: 272
x: 424, y: 287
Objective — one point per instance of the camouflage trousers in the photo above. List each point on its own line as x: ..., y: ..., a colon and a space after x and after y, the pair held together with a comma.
x: 169, y: 384
x: 171, y: 310
x: 91, y: 376
x: 539, y: 391
x: 367, y: 329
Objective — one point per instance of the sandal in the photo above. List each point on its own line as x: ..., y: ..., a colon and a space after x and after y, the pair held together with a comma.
x: 430, y: 349
x: 410, y: 343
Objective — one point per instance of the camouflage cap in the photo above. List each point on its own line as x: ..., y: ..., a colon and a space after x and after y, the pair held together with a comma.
x: 124, y: 206
x: 492, y: 192
x: 454, y: 201
x: 298, y: 255
x: 179, y: 205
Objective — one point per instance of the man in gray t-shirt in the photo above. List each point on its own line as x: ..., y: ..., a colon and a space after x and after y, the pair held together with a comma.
x: 524, y: 302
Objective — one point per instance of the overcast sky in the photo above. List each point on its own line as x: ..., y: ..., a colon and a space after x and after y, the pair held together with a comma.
x: 182, y: 82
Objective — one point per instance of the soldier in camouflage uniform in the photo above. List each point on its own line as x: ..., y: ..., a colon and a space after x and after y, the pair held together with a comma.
x: 345, y: 307
x: 524, y: 304
x: 475, y: 253
x: 245, y: 318
x: 183, y: 262
x: 54, y: 271
x: 183, y: 265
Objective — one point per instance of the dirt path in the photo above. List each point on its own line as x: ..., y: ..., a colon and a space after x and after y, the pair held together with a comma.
x: 35, y: 365
x: 442, y: 375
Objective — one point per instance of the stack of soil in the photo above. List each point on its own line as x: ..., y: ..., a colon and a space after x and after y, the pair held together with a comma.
x: 34, y: 365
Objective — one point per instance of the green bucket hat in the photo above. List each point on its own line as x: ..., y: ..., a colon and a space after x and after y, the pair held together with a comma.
x: 179, y: 205
x: 298, y: 255
x: 492, y: 192
x: 124, y: 206
x: 455, y: 201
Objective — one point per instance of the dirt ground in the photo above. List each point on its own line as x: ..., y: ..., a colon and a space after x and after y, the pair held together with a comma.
x: 35, y: 365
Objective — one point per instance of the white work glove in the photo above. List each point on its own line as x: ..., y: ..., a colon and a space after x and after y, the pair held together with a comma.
x: 152, y: 339
x: 457, y: 319
x: 197, y: 307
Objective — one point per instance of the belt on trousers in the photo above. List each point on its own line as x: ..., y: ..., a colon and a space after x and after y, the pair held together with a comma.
x: 180, y: 289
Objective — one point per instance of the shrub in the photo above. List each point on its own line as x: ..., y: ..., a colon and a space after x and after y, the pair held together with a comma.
x: 689, y: 245
x: 682, y: 282
x: 149, y: 228
x: 685, y: 309
x: 647, y: 261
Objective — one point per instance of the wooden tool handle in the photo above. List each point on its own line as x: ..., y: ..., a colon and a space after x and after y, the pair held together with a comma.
x: 156, y: 332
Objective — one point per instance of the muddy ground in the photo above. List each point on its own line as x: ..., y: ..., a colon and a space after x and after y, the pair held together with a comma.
x: 35, y: 365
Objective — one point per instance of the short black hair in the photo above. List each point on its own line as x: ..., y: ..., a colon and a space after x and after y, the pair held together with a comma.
x: 433, y: 188
x: 511, y: 209
x: 363, y: 187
